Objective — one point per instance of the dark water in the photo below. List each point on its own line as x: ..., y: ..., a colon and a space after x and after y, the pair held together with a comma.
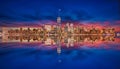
x: 26, y: 57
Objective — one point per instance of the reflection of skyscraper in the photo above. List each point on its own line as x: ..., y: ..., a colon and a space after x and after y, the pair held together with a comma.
x: 5, y: 34
x: 118, y: 34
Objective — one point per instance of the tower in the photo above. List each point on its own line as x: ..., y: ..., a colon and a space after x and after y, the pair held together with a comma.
x: 59, y: 18
x: 58, y: 29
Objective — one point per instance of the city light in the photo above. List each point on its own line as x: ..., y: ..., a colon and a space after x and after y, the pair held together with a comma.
x: 60, y: 34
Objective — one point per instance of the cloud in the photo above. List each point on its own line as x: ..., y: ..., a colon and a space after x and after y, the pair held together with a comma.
x: 30, y: 17
x: 82, y: 15
x: 5, y: 17
x: 76, y: 15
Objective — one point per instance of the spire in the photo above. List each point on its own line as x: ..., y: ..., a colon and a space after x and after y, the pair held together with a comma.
x: 59, y: 10
x: 59, y: 18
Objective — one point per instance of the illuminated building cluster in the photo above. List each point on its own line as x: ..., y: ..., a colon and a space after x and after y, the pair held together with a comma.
x: 31, y: 34
x: 67, y: 34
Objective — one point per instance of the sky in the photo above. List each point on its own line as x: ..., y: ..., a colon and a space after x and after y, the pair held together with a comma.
x: 71, y: 10
x: 30, y: 11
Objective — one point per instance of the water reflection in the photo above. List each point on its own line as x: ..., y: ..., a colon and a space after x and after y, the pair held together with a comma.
x: 62, y: 48
x: 59, y: 40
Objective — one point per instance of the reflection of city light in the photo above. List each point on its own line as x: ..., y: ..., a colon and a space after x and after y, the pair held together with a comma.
x: 59, y: 61
x: 118, y: 34
x: 68, y: 34
x: 51, y: 37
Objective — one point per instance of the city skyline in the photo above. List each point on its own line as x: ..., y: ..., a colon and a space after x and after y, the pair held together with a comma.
x: 59, y: 34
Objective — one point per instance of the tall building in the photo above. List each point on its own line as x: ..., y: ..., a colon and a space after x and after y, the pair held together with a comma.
x: 58, y: 29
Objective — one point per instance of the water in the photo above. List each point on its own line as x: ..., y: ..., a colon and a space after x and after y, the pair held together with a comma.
x: 34, y: 56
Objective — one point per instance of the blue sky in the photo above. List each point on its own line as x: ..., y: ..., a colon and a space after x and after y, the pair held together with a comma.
x: 72, y: 10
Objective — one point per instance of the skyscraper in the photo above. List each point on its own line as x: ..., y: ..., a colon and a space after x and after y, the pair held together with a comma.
x: 58, y: 29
